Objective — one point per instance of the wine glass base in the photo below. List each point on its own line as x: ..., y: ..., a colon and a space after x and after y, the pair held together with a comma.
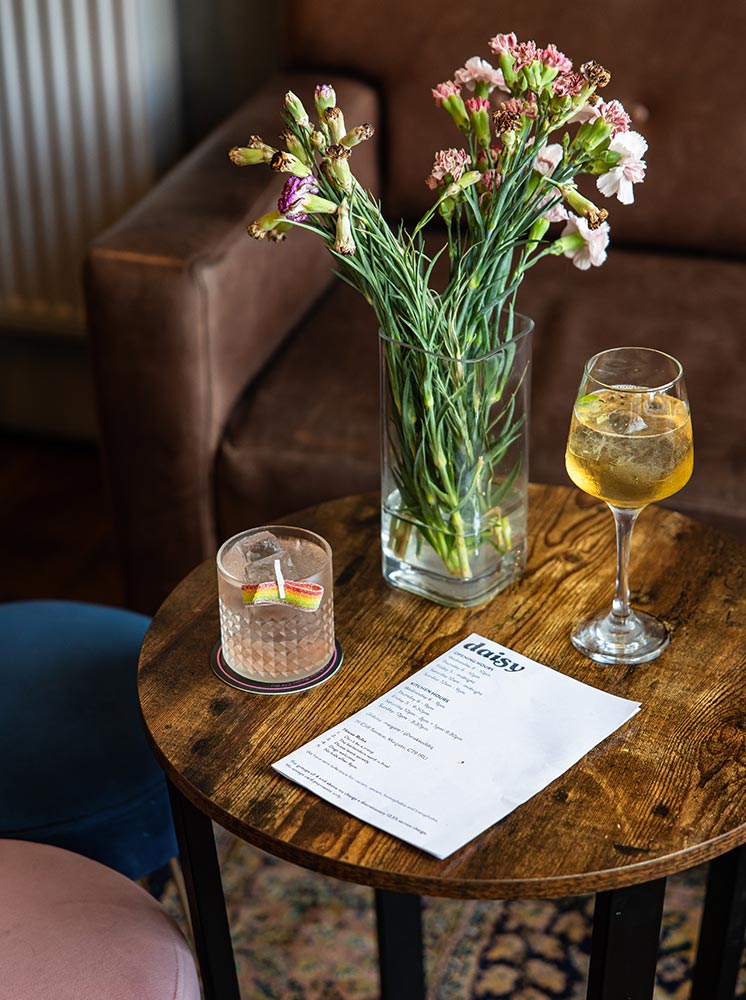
x: 605, y: 638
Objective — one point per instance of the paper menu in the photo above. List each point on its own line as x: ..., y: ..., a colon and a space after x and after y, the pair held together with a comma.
x: 458, y: 745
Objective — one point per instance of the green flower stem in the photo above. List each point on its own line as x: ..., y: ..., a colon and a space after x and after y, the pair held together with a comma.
x: 461, y: 549
x: 401, y: 531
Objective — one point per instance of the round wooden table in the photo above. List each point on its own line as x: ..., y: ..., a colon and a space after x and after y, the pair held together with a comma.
x: 663, y: 794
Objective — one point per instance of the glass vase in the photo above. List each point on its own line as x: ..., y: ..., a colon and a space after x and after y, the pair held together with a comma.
x: 454, y: 466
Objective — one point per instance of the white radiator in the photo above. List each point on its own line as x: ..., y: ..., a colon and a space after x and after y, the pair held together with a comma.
x: 87, y: 99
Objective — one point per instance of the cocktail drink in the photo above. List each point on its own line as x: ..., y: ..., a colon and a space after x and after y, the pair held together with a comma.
x: 630, y: 448
x: 276, y: 597
x: 630, y: 444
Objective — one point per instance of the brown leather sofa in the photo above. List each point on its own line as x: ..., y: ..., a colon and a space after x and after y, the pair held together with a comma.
x: 237, y: 380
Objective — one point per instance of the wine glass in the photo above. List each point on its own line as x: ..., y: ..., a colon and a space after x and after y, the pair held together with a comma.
x: 630, y: 444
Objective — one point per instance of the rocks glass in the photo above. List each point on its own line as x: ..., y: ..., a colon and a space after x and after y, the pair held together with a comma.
x: 276, y: 597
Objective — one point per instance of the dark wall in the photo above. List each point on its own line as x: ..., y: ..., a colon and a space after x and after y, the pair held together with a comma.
x: 227, y: 47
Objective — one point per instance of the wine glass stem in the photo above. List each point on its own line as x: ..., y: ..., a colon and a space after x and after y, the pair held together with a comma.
x: 624, y: 521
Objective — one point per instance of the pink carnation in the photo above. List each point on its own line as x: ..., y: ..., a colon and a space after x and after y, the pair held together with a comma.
x: 479, y: 70
x: 477, y: 104
x: 630, y: 169
x: 548, y: 158
x: 614, y: 114
x: 524, y: 54
x: 503, y: 44
x: 448, y: 166
x: 568, y: 84
x: 556, y: 212
x: 595, y: 241
x: 586, y: 113
x: 551, y: 56
x: 445, y: 90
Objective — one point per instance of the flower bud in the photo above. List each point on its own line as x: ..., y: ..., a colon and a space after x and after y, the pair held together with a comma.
x: 260, y: 228
x: 594, y: 215
x: 256, y: 150
x: 323, y: 98
x: 286, y: 163
x: 338, y: 172
x: 356, y: 135
x: 335, y: 122
x: 604, y: 162
x: 468, y: 178
x: 242, y: 156
x: 344, y: 242
x: 294, y: 110
x: 455, y: 189
x: 446, y: 208
x: 456, y: 108
x: 533, y: 75
x: 478, y: 108
x: 592, y: 136
x: 294, y: 145
x: 595, y: 74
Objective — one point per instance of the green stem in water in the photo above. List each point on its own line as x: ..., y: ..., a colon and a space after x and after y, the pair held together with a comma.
x: 462, y: 553
x: 400, y: 534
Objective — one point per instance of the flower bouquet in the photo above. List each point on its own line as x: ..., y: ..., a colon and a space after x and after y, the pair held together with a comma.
x: 455, y: 353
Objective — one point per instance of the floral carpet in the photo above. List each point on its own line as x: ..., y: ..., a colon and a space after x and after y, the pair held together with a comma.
x: 302, y: 936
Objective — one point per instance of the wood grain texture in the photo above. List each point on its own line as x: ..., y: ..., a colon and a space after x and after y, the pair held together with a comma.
x: 665, y: 792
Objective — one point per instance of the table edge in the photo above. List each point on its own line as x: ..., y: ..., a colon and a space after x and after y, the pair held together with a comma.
x: 543, y: 887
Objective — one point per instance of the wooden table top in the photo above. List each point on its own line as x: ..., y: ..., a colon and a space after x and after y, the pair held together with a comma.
x: 664, y: 793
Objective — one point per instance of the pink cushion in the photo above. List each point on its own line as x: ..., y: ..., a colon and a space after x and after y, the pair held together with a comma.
x: 71, y: 929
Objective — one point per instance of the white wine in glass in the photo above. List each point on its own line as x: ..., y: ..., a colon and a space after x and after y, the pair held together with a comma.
x: 630, y: 444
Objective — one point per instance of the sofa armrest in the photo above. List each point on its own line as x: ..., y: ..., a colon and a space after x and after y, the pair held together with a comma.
x: 184, y: 310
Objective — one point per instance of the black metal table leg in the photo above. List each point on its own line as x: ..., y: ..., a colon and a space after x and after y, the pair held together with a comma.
x: 721, y: 936
x: 199, y: 862
x: 626, y: 932
x: 400, y: 957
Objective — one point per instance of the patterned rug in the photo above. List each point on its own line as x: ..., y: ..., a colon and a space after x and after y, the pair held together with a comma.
x: 302, y: 936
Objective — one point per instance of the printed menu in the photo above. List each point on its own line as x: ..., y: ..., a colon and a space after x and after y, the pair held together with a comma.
x: 458, y: 745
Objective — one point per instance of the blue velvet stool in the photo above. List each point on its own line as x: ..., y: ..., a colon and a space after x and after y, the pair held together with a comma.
x: 75, y: 769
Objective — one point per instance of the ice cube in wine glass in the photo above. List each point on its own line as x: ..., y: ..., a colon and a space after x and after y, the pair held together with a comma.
x: 625, y: 422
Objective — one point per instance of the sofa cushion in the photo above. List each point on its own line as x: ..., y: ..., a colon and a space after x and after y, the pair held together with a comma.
x: 77, y: 770
x: 283, y: 452
x: 686, y: 306
x: 72, y: 929
x: 309, y: 429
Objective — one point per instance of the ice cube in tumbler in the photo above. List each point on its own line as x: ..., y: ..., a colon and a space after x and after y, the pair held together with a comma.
x: 261, y: 570
x: 234, y: 561
x: 261, y: 546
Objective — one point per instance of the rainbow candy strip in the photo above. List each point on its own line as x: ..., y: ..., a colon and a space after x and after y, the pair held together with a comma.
x: 304, y: 596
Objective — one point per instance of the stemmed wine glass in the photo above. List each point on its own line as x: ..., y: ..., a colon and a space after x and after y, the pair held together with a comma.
x: 630, y: 444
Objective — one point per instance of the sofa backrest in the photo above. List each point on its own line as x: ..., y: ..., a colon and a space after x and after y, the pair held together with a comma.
x: 675, y: 67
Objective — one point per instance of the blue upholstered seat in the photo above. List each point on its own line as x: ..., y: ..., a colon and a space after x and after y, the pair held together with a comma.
x: 76, y: 770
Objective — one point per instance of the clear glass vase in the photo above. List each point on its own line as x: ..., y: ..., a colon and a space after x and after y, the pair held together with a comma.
x: 454, y: 467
